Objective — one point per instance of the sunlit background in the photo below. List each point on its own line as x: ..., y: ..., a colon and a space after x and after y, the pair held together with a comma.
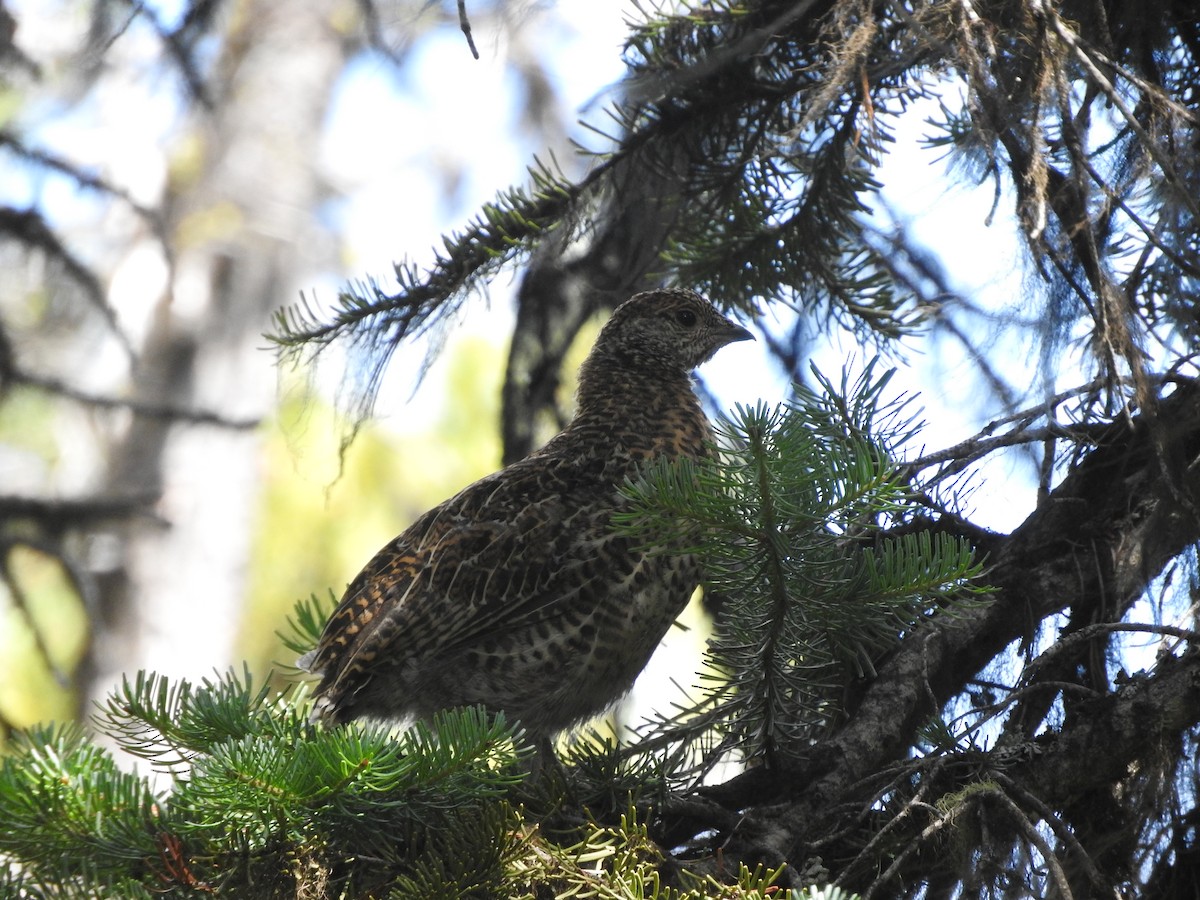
x: 334, y: 160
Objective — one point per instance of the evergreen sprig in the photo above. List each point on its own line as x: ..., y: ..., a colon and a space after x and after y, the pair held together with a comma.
x: 307, y: 623
x: 500, y: 230
x: 282, y: 808
x: 804, y: 520
x: 375, y: 321
x: 260, y: 803
x: 69, y: 811
x: 258, y: 796
x: 169, y: 723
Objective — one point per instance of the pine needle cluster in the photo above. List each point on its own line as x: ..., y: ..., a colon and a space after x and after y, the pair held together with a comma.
x: 254, y: 801
x: 812, y: 540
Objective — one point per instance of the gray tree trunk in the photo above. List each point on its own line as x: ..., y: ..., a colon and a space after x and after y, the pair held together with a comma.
x: 244, y: 239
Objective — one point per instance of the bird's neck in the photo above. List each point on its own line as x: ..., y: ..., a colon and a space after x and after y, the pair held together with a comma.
x: 647, y: 413
x: 607, y: 387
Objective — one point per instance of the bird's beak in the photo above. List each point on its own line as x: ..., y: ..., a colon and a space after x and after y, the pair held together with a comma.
x: 732, y: 332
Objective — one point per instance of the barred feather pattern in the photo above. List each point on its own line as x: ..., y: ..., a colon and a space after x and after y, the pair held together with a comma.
x: 515, y: 593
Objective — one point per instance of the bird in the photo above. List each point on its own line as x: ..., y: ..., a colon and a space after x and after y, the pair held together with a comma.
x: 517, y: 594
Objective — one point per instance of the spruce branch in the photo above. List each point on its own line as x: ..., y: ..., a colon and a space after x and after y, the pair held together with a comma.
x: 69, y: 811
x: 794, y: 519
x: 377, y: 320
x: 307, y: 622
x: 263, y: 804
x: 170, y: 724
x: 258, y: 797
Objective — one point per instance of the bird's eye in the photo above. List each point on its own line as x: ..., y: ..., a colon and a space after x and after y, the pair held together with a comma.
x: 686, y: 318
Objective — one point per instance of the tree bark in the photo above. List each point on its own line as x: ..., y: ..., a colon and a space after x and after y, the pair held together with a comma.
x: 1095, y: 545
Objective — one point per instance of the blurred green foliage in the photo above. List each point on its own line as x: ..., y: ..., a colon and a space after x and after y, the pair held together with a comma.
x: 42, y: 639
x: 320, y: 518
x: 321, y: 521
x: 43, y: 623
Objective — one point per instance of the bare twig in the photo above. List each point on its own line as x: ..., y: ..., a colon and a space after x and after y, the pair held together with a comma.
x: 60, y: 513
x: 1087, y: 633
x: 963, y: 454
x: 1060, y: 828
x: 376, y: 39
x: 15, y: 145
x: 869, y: 848
x: 941, y: 821
x: 986, y: 441
x: 31, y: 229
x: 465, y: 24
x: 149, y: 410
x: 1018, y: 817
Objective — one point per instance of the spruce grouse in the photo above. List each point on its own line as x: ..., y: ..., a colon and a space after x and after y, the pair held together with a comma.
x: 516, y: 593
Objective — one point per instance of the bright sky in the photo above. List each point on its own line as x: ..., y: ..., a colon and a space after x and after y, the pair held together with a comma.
x: 397, y: 204
x: 394, y: 147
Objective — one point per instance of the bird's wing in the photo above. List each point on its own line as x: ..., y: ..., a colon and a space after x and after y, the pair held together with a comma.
x: 498, y: 555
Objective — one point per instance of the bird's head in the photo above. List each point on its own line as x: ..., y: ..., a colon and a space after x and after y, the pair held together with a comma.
x: 666, y: 330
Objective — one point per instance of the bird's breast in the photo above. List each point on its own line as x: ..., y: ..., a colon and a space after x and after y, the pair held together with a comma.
x: 641, y: 435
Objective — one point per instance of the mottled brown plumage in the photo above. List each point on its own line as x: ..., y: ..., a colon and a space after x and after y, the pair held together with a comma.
x: 515, y: 593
